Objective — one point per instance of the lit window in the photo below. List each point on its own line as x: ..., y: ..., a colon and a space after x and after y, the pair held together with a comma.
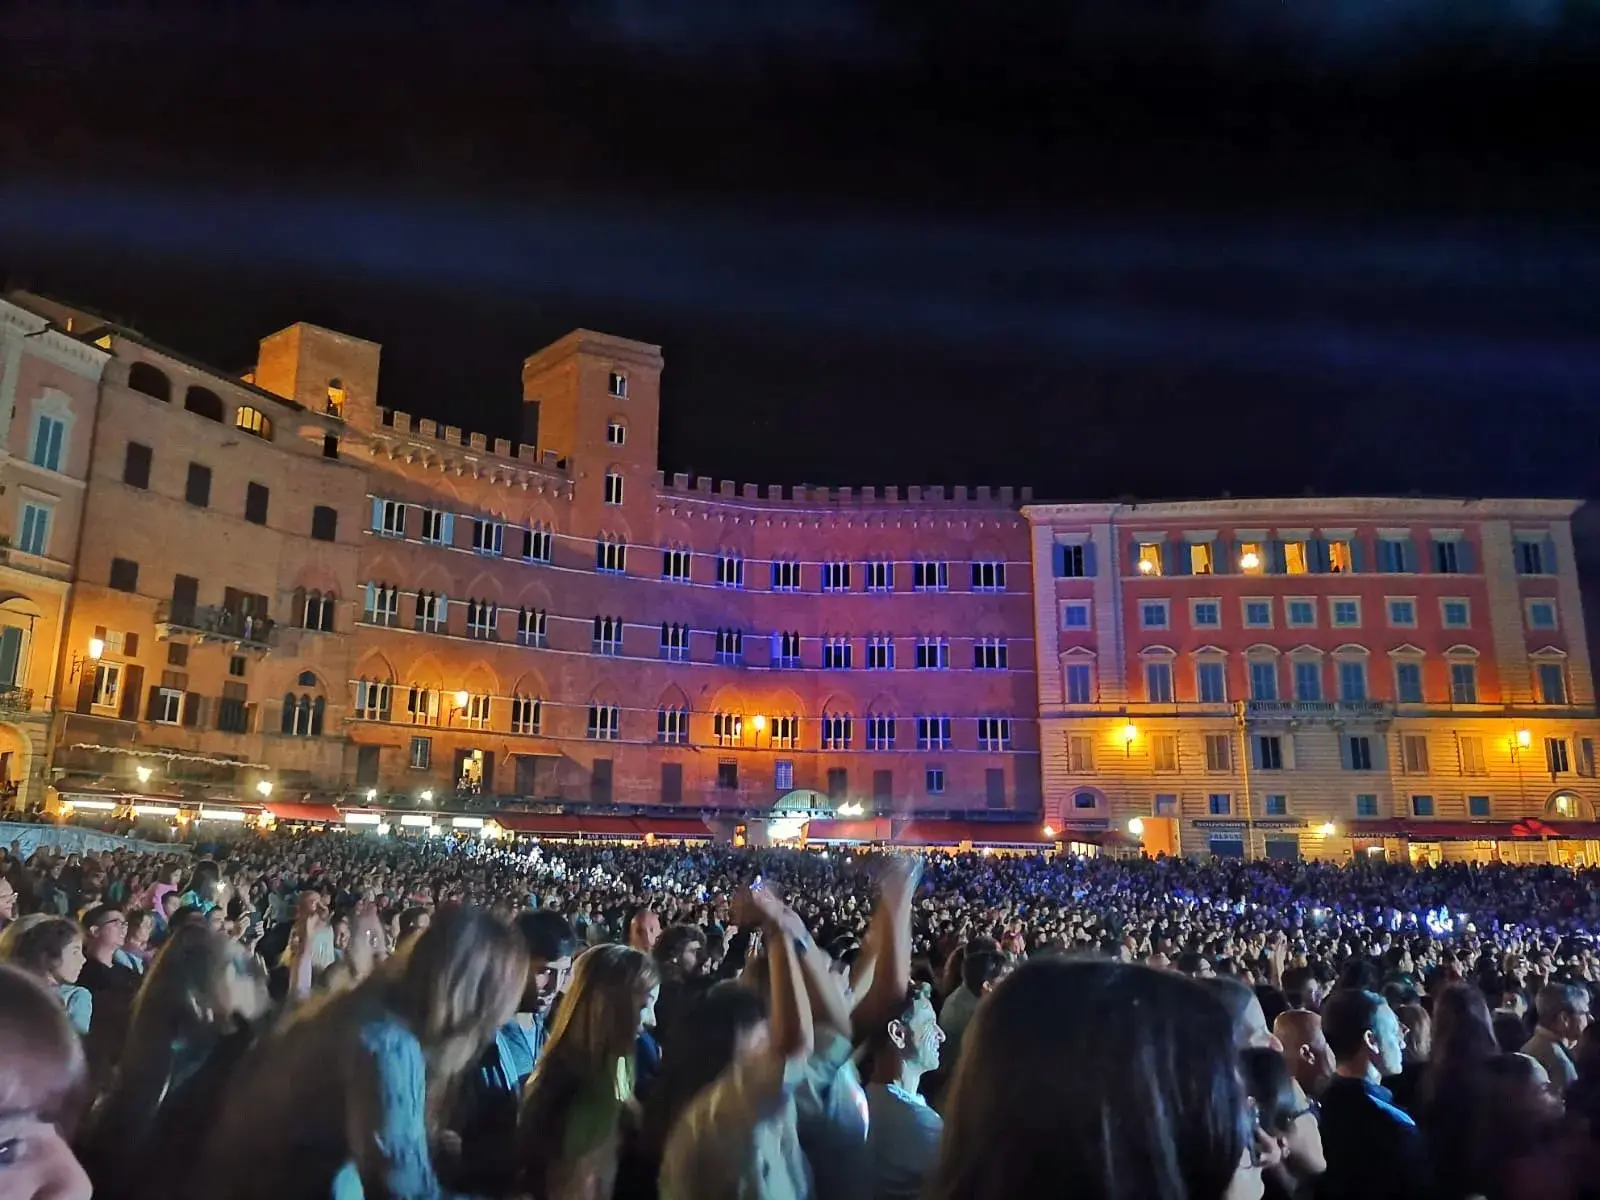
x: 1296, y: 558
x: 254, y: 421
x: 1200, y: 560
x: 1341, y: 557
x: 1252, y: 558
x: 1149, y: 562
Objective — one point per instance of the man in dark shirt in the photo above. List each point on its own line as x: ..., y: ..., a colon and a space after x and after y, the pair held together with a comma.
x: 1374, y: 1150
x: 112, y: 985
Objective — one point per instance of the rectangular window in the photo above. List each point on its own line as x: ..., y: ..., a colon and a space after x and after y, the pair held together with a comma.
x: 1269, y: 753
x: 1478, y: 806
x: 604, y: 722
x: 1402, y: 613
x: 1456, y: 613
x: 324, y: 523
x: 1080, y: 683
x: 1166, y: 804
x: 34, y: 537
x: 1211, y: 684
x: 1080, y: 754
x: 1586, y: 763
x: 1205, y: 614
x: 1308, y: 682
x: 1472, y: 761
x: 837, y: 732
x: 1258, y: 614
x: 930, y: 576
x: 1555, y: 755
x: 1158, y: 682
x: 488, y: 537
x: 1341, y: 556
x: 613, y: 488
x: 483, y: 619
x: 1075, y: 616
x: 1276, y: 806
x: 730, y: 571
x: 166, y: 706
x: 994, y: 733
x: 1164, y: 751
x: 617, y: 385
x: 1219, y: 752
x: 1541, y: 614
x: 1408, y: 682
x: 48, y: 435
x: 933, y: 733
x: 880, y: 654
x: 989, y: 654
x: 1463, y: 683
x: 607, y: 637
x: 1071, y: 561
x: 1346, y: 611
x: 1447, y: 557
x: 727, y: 774
x: 880, y: 577
x: 1358, y: 752
x: 1296, y: 558
x: 532, y: 627
x: 1300, y: 612
x: 1531, y: 555
x: 672, y: 726
x: 675, y: 565
x: 1414, y: 754
x: 389, y: 518
x: 1422, y: 806
x: 380, y: 604
x: 933, y: 781
x: 1153, y: 614
x: 988, y: 576
x: 727, y: 728
x: 124, y: 575
x: 674, y: 640
x: 616, y: 433
x: 439, y: 527
x: 1394, y: 555
x: 836, y: 577
x: 1219, y: 804
x: 730, y: 647
x: 785, y: 576
x: 1252, y: 558
x: 197, y: 490
x: 783, y: 733
x: 1201, y: 561
x: 783, y: 776
x: 527, y: 714
x: 836, y: 654
x: 880, y: 733
x: 421, y: 753
x: 136, y: 466
x: 1264, y: 680
x: 1352, y: 682
x: 1552, y: 683
x: 1148, y: 561
x: 611, y: 556
x: 1366, y: 804
x: 933, y: 654
x: 786, y: 650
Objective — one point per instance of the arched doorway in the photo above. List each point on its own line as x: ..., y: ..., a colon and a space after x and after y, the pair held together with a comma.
x: 16, y: 768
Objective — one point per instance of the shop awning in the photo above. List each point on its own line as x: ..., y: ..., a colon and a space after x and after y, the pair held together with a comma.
x: 1529, y: 828
x: 295, y: 810
x: 625, y: 828
x: 978, y: 833
x: 849, y: 831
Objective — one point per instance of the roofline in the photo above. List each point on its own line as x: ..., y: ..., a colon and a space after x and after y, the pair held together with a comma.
x: 1309, y: 506
x: 639, y: 353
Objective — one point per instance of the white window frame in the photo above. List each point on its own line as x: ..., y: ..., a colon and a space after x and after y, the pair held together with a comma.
x: 107, y: 694
x: 488, y: 537
x: 613, y: 487
x: 420, y: 753
x: 169, y: 706
x: 730, y: 646
x: 1244, y: 612
x: 542, y: 544
x: 1288, y: 612
x: 611, y: 556
x: 433, y: 612
x: 881, y: 731
x: 527, y: 714
x: 608, y: 639
x: 923, y: 568
x: 836, y: 576
x: 672, y: 726
x: 988, y: 575
x: 1067, y: 673
x: 880, y: 653
x: 933, y: 780
x: 1444, y: 620
x: 880, y: 575
x: 994, y: 734
x: 1222, y: 665
x: 1152, y: 603
x: 1388, y: 611
x: 1333, y: 612
x: 1083, y: 606
x: 532, y: 626
x: 933, y: 654
x: 1534, y: 602
x: 989, y: 654
x: 617, y: 384
x: 616, y: 432
x: 836, y: 654
x: 438, y: 526
x: 677, y: 565
x: 730, y: 569
x: 483, y: 619
x: 1194, y: 612
x: 604, y: 723
x: 786, y: 575
x: 674, y: 641
x: 933, y: 733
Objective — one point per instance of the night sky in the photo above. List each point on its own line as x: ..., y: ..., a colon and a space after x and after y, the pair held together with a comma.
x: 1122, y: 249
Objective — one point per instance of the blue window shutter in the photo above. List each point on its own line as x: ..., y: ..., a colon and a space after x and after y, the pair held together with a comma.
x: 1059, y: 553
x: 10, y: 647
x: 1317, y: 552
x: 449, y: 533
x: 1226, y: 559
x: 1133, y: 556
x: 1177, y: 553
x: 1345, y: 758
x: 1549, y: 563
x: 1357, y: 564
x: 1464, y: 559
x: 377, y: 513
x: 1278, y: 563
x: 1089, y: 567
x: 1409, y: 553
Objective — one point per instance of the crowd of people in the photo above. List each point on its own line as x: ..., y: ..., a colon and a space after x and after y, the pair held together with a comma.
x: 352, y: 1015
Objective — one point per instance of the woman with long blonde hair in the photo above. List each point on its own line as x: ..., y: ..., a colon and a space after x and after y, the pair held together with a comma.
x: 345, y: 1099
x: 580, y: 1099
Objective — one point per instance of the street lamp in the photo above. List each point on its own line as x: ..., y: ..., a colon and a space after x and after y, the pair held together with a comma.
x: 462, y: 697
x: 1524, y: 738
x: 144, y: 774
x: 263, y: 788
x: 758, y: 722
x: 427, y: 796
x: 97, y: 647
x: 372, y: 795
x: 1328, y: 829
x: 1129, y: 732
x: 1249, y: 560
x: 1050, y: 832
x: 1136, y: 827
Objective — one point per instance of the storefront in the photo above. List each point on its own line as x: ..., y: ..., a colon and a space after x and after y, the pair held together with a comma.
x: 1423, y: 842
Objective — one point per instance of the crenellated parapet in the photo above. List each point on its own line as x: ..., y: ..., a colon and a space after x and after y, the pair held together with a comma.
x: 803, y: 498
x: 401, y: 436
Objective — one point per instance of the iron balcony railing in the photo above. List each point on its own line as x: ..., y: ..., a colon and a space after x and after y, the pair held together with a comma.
x: 214, y: 620
x: 1318, y: 710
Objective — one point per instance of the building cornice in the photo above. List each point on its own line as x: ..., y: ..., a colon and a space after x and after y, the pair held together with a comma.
x: 1309, y: 508
x: 52, y: 344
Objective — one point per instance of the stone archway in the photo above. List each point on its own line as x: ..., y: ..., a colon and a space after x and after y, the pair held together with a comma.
x: 1568, y: 805
x: 16, y: 767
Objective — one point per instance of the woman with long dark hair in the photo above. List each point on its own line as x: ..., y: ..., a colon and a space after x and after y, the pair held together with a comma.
x: 192, y: 1022
x: 42, y: 1076
x: 1455, y: 1090
x: 1100, y: 1081
x: 51, y: 950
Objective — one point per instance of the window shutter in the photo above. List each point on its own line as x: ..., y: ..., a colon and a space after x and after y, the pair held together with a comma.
x: 1408, y: 556
x: 1549, y: 563
x: 1228, y: 560
x: 1089, y: 567
x: 1133, y: 557
x: 191, y: 710
x: 1317, y: 554
x: 377, y: 513
x: 1255, y: 752
x: 150, y: 703
x: 1059, y: 558
x: 1279, y: 559
x: 1177, y: 552
x: 1346, y: 759
x: 1464, y: 560
x: 1357, y: 556
x: 1286, y: 742
x: 130, y: 645
x: 10, y: 647
x: 132, y: 685
x: 1380, y: 751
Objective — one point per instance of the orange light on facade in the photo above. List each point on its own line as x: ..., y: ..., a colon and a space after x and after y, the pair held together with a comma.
x: 1524, y: 738
x: 758, y: 722
x: 1136, y: 826
x: 97, y: 647
x: 1130, y: 731
x: 1250, y: 560
x: 462, y: 697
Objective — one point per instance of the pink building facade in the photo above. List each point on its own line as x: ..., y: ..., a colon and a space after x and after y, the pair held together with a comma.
x: 1316, y: 676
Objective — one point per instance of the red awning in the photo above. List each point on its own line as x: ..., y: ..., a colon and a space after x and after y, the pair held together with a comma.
x: 979, y: 833
x: 294, y: 810
x: 849, y: 831
x: 1529, y: 828
x: 579, y: 825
